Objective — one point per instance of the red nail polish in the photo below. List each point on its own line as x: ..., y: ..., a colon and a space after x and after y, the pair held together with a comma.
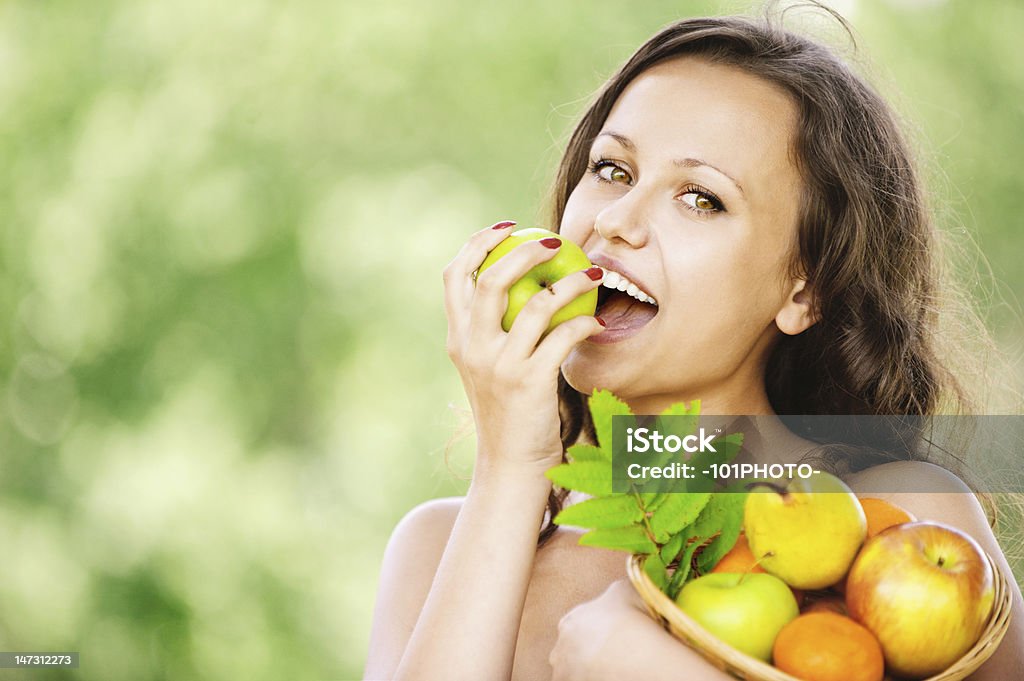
x: 600, y: 321
x: 551, y: 242
x: 595, y: 273
x: 504, y: 225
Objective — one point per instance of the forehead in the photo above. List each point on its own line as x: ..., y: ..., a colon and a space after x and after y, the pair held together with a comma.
x: 691, y: 107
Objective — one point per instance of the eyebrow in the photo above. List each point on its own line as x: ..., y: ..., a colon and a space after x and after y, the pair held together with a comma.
x: 679, y: 162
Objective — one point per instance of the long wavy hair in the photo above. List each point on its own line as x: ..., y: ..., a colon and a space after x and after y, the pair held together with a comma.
x: 867, y: 244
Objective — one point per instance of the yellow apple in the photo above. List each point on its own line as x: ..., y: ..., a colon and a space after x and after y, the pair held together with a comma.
x: 807, y: 533
x: 926, y: 591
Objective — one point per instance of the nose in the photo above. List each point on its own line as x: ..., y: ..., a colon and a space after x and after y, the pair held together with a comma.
x: 624, y: 220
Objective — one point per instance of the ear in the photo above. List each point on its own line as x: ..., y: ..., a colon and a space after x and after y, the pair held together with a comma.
x: 797, y: 313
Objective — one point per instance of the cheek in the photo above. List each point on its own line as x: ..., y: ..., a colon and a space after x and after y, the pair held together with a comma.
x: 574, y: 217
x: 729, y: 286
x: 580, y: 213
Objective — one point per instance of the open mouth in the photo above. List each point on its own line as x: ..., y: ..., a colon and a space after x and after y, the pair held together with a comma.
x: 624, y: 307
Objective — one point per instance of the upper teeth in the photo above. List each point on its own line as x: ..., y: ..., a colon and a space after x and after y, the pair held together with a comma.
x: 614, y: 280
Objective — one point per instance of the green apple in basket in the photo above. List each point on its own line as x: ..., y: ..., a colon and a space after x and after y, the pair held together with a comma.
x: 746, y: 610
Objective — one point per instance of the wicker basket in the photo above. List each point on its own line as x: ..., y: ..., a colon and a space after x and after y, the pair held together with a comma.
x: 741, y: 666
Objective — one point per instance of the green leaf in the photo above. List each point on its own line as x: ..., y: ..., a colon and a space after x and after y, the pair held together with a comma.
x: 680, y: 426
x: 671, y: 549
x: 603, y: 512
x: 678, y: 511
x: 589, y: 477
x: 680, y: 409
x: 656, y: 570
x: 648, y: 498
x: 632, y: 539
x: 603, y: 406
x: 655, y: 502
x: 580, y: 453
x: 722, y: 516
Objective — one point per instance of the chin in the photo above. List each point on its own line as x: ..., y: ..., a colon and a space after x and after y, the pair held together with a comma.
x: 585, y: 371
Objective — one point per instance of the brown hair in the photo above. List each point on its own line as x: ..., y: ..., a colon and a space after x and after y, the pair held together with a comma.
x: 866, y: 240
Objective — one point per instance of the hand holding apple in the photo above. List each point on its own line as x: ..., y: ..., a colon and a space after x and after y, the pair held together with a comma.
x: 570, y: 258
x: 511, y: 378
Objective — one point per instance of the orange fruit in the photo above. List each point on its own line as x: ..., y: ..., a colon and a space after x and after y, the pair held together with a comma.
x: 826, y: 646
x: 882, y: 514
x: 739, y: 559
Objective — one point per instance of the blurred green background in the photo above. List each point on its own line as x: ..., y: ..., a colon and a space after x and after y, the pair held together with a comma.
x: 223, y: 229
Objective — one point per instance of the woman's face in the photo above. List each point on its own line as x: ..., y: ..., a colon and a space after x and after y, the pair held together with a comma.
x: 693, y: 195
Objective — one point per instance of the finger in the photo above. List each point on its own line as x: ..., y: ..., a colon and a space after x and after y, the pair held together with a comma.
x: 536, y: 315
x: 490, y: 300
x: 458, y: 274
x: 553, y: 350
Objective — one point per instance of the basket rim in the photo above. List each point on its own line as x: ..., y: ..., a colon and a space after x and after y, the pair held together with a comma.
x: 728, y: 659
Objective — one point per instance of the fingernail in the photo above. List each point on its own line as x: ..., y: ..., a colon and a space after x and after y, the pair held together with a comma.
x: 504, y: 225
x: 600, y: 321
x: 595, y: 273
x: 551, y: 242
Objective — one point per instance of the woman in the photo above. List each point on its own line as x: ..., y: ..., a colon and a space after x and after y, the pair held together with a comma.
x: 761, y: 194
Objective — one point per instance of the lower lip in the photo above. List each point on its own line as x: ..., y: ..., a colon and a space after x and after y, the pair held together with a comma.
x: 615, y: 335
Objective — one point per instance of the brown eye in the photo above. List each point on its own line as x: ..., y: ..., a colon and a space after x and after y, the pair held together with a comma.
x: 619, y: 175
x: 609, y: 172
x: 701, y: 202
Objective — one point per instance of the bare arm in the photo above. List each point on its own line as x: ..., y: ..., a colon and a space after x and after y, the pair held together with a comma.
x: 410, y: 563
x: 454, y: 566
x: 470, y: 621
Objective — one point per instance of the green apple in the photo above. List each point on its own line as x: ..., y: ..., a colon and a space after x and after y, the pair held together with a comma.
x: 747, y: 611
x: 570, y: 258
x: 925, y: 590
x: 806, y: 533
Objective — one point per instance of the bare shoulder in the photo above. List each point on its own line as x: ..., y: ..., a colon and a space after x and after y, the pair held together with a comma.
x: 410, y: 562
x: 928, y: 491
x: 907, y: 476
x: 428, y: 525
x: 418, y: 541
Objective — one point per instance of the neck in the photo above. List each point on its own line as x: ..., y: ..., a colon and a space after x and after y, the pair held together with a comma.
x: 750, y: 402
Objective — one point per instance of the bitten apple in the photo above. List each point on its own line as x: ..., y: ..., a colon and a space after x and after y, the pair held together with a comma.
x: 570, y: 258
x: 925, y: 590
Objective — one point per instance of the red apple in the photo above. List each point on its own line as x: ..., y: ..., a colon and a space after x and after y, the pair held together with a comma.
x: 926, y: 591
